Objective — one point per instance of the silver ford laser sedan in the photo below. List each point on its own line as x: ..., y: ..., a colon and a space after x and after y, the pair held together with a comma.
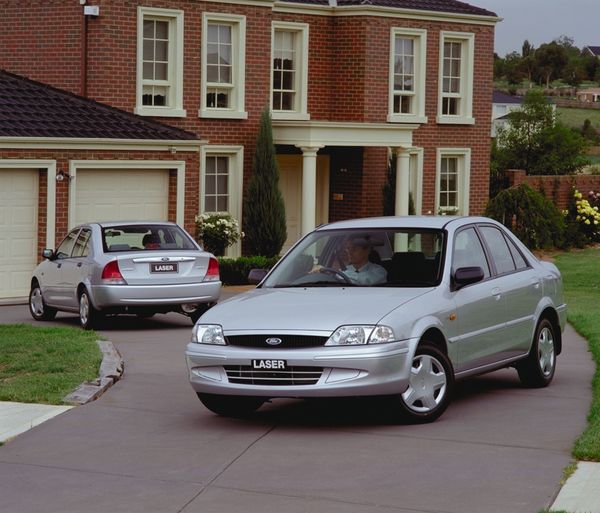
x: 394, y: 306
x: 137, y: 268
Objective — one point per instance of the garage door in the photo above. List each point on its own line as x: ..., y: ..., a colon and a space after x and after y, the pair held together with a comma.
x: 18, y: 230
x: 121, y: 195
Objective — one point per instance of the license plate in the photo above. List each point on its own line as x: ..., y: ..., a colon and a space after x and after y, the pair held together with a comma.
x: 269, y: 364
x: 171, y: 267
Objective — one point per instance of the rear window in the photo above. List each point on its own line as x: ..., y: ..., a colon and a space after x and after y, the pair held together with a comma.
x: 150, y: 237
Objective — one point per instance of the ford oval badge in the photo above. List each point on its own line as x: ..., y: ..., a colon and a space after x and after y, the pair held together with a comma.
x: 273, y: 341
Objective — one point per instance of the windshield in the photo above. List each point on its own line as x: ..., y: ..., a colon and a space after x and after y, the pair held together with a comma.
x: 146, y: 237
x: 362, y: 257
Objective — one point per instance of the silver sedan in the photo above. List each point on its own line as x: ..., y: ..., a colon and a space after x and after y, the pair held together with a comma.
x: 138, y: 268
x: 398, y: 307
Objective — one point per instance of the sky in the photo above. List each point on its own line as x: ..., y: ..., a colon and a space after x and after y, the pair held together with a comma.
x: 541, y: 21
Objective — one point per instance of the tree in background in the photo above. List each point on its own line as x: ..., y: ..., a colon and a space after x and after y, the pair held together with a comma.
x: 550, y: 59
x: 264, y: 211
x: 535, y: 142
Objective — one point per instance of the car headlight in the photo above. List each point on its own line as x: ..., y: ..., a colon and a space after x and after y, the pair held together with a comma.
x: 359, y: 335
x: 208, y: 334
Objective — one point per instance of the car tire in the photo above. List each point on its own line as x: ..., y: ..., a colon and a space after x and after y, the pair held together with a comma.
x: 89, y: 317
x: 430, y: 388
x: 231, y: 405
x: 537, y: 370
x: 37, y: 306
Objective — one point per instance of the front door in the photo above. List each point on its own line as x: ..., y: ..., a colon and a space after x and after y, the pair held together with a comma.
x: 290, y: 180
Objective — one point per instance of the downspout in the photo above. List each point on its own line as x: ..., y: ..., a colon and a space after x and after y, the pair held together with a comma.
x: 83, y: 57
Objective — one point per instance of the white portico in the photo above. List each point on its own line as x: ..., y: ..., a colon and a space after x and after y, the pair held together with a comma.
x: 311, y: 136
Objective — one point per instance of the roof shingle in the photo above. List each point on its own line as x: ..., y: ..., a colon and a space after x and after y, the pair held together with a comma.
x: 449, y: 6
x: 33, y: 109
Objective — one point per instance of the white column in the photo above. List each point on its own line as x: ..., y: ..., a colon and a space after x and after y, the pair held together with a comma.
x: 402, y: 181
x: 309, y: 188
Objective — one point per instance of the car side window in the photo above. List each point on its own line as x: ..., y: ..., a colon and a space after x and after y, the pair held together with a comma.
x: 499, y: 250
x: 520, y: 261
x: 81, y: 248
x: 468, y: 252
x: 66, y: 246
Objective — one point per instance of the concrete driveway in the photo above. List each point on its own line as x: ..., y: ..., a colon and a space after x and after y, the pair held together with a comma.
x: 149, y: 446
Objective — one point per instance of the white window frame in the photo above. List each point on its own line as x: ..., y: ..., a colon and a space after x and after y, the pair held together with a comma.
x: 238, y: 91
x: 464, y: 177
x: 174, y: 107
x: 467, y: 67
x: 235, y: 182
x: 419, y: 37
x: 301, y: 31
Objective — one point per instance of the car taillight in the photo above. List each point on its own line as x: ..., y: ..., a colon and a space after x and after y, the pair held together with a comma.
x: 112, y: 274
x: 213, y: 270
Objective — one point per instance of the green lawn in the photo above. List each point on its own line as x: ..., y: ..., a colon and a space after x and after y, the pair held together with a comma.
x: 43, y: 365
x: 576, y: 117
x: 581, y: 276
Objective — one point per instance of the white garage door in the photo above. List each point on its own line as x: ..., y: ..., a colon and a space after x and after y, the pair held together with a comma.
x: 18, y: 230
x: 121, y: 195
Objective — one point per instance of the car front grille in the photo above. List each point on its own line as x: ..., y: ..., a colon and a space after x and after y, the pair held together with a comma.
x: 287, y: 341
x: 292, y: 376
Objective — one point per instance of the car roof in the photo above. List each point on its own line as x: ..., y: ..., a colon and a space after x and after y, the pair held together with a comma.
x: 111, y: 224
x: 431, y: 222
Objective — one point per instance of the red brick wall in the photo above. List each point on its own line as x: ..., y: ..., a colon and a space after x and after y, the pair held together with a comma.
x: 556, y: 188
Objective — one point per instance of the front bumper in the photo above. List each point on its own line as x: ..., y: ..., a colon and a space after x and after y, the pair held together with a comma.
x: 346, y: 371
x: 105, y: 296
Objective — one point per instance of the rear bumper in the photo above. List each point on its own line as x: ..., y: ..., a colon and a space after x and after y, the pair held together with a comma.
x: 106, y: 296
x: 359, y: 371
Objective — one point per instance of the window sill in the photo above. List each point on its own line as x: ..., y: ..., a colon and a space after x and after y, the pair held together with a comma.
x: 160, y: 112
x: 222, y: 114
x: 292, y: 116
x: 404, y: 118
x: 454, y: 120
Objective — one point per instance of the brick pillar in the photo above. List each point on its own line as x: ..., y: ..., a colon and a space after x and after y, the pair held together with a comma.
x: 515, y: 177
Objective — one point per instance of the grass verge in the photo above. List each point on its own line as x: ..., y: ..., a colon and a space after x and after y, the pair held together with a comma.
x: 42, y: 365
x: 576, y: 117
x: 581, y: 277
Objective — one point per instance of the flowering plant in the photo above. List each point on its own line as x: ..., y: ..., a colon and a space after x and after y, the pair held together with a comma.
x: 587, y: 216
x: 217, y: 231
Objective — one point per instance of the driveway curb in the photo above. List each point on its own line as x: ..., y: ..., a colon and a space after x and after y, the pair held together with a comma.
x: 111, y: 370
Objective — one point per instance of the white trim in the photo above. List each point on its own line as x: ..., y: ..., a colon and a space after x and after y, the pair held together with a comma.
x: 301, y: 33
x: 361, y: 10
x: 416, y: 156
x: 175, y: 107
x: 235, y: 184
x: 68, y: 143
x: 419, y: 36
x: 464, y: 176
x: 467, y: 40
x: 325, y: 133
x: 50, y: 167
x: 238, y: 92
x: 179, y: 165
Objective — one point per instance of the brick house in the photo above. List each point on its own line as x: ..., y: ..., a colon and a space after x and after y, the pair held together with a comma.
x: 348, y: 82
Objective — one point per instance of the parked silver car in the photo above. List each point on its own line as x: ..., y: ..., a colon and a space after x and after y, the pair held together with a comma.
x: 138, y: 268
x: 459, y: 296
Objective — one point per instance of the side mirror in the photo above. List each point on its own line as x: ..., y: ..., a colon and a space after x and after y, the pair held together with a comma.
x: 256, y: 276
x: 467, y: 275
x: 48, y: 253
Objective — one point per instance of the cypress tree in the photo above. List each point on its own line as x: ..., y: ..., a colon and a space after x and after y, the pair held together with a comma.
x: 264, y: 210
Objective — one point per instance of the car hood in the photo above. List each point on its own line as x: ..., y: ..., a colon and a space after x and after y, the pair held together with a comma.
x: 313, y: 309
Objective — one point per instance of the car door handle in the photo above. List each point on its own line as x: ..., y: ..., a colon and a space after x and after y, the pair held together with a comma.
x: 58, y: 266
x: 496, y: 293
x: 79, y: 264
x: 536, y: 284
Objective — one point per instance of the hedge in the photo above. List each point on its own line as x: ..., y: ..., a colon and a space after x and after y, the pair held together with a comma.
x: 234, y: 271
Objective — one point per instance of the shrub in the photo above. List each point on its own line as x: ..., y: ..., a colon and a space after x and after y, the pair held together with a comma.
x: 217, y: 231
x: 234, y: 271
x: 531, y: 216
x: 583, y: 218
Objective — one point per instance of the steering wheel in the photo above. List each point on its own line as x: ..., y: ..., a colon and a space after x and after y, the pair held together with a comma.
x: 336, y: 273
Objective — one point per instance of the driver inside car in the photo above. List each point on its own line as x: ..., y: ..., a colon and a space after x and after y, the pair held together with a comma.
x: 359, y: 269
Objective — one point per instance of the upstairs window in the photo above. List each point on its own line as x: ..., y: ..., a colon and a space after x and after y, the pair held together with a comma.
x: 289, y: 71
x: 456, y: 78
x: 407, y: 75
x: 160, y: 62
x: 223, y: 70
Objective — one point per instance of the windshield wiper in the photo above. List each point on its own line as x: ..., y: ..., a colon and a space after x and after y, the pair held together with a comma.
x: 314, y: 284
